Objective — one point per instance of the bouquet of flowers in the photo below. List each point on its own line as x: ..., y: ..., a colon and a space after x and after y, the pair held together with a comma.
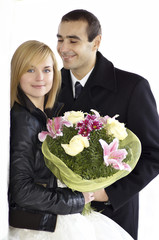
x: 88, y: 152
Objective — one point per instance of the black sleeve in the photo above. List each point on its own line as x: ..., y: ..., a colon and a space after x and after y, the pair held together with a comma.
x: 24, y: 191
x: 143, y: 120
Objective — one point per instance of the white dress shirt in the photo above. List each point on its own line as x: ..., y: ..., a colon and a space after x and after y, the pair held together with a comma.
x: 82, y: 81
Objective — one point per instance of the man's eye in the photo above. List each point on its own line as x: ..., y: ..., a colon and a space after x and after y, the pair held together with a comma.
x: 60, y: 40
x: 73, y: 41
x: 30, y: 70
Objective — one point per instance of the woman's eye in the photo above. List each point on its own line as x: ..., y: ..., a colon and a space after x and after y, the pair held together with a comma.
x: 30, y: 70
x: 47, y: 70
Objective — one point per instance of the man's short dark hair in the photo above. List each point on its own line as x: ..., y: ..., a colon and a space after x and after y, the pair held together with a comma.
x: 94, y: 27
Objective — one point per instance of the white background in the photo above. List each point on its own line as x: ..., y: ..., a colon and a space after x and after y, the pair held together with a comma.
x: 130, y: 40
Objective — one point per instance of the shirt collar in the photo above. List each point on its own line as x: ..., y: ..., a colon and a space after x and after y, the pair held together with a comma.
x: 82, y: 81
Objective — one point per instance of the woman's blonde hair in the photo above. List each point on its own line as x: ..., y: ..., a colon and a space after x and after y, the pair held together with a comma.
x: 26, y: 53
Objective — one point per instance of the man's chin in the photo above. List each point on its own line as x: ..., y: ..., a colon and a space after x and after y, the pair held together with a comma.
x: 66, y: 66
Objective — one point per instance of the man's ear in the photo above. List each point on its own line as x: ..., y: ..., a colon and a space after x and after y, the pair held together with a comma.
x: 96, y: 42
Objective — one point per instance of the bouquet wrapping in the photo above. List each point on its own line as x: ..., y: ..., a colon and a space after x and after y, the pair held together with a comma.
x: 88, y: 152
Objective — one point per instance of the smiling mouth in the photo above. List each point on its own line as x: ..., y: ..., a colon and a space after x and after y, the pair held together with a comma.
x: 38, y: 86
x: 67, y: 57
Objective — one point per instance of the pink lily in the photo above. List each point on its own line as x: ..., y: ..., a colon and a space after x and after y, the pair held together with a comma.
x: 96, y: 113
x: 103, y: 120
x: 54, y: 127
x: 114, y: 156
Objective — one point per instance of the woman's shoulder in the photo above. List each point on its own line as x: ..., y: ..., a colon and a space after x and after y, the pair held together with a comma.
x: 19, y: 112
x: 22, y: 117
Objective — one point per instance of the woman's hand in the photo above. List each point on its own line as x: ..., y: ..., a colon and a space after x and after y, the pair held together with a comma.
x: 88, y: 196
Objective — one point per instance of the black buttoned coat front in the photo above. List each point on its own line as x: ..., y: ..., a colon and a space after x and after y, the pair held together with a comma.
x: 112, y: 91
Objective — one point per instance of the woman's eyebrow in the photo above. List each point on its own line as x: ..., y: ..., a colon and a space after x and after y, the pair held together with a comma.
x: 48, y: 66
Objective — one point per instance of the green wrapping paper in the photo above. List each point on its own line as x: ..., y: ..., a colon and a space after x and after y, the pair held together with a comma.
x: 76, y: 182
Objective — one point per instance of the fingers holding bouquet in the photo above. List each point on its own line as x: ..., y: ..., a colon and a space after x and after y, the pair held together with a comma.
x: 88, y: 196
x: 99, y: 196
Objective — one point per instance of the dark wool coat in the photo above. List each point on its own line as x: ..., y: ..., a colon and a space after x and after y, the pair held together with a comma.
x: 34, y: 198
x: 112, y: 91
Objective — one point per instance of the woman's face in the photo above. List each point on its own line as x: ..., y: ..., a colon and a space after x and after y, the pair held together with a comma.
x: 38, y: 80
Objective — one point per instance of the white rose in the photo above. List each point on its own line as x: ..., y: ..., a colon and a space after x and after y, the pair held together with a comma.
x: 74, y: 116
x: 76, y: 145
x: 116, y: 128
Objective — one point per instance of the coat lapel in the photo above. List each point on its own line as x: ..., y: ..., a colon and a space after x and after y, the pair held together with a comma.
x: 102, y: 79
x: 103, y: 74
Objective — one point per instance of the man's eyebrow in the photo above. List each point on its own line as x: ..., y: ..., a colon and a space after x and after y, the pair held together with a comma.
x: 69, y: 36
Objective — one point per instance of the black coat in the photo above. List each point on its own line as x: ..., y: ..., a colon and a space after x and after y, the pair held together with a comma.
x: 112, y: 91
x: 34, y: 198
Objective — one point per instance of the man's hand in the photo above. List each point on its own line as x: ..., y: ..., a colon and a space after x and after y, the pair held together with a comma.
x: 101, y: 196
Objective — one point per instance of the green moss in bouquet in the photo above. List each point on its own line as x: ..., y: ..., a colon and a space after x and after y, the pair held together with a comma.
x: 89, y: 163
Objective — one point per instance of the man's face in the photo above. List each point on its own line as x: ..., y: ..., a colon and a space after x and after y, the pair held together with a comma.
x: 76, y: 52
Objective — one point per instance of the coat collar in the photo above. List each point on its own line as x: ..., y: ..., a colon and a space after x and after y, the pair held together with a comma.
x: 49, y: 112
x: 102, y: 75
x: 27, y: 104
x: 25, y: 101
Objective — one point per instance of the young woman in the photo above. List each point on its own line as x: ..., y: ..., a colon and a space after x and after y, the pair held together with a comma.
x: 35, y: 200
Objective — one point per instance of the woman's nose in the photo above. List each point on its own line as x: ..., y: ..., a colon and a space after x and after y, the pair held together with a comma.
x: 39, y: 76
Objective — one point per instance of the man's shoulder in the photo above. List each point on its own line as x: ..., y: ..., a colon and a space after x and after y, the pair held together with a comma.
x: 127, y: 77
x: 125, y: 74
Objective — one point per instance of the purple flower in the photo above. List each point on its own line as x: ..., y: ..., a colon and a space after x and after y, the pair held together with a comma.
x: 90, y: 123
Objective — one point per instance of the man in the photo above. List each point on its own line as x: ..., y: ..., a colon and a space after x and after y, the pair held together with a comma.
x: 110, y: 91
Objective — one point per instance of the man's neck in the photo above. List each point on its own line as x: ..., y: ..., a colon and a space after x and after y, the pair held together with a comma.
x: 81, y: 73
x: 82, y: 80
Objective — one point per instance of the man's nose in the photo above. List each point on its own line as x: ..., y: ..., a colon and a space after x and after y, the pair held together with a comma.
x: 64, y: 47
